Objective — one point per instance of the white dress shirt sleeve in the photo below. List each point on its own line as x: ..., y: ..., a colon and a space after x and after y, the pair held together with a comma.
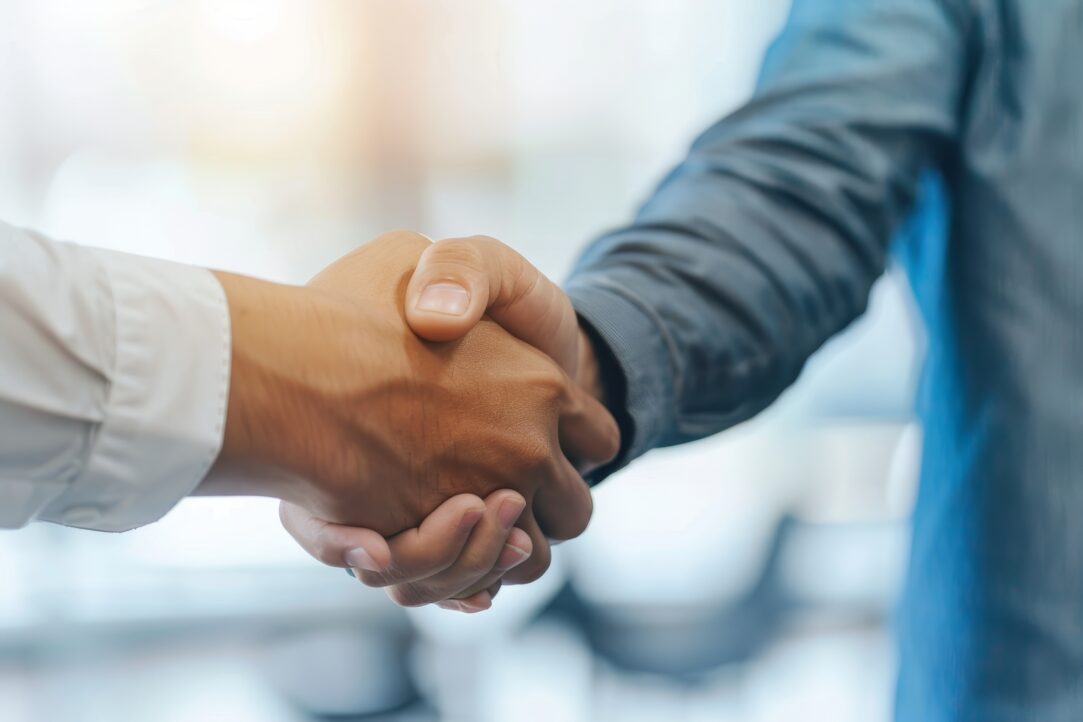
x: 114, y: 378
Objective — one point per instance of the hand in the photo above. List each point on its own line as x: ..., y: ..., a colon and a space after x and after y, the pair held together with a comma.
x: 361, y: 423
x: 455, y: 283
x: 465, y: 543
x: 459, y: 280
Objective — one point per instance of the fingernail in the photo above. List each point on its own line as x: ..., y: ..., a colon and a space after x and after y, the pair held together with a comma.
x: 471, y: 608
x: 509, y: 512
x: 360, y: 559
x: 511, y: 557
x: 450, y: 605
x: 454, y: 605
x: 444, y: 297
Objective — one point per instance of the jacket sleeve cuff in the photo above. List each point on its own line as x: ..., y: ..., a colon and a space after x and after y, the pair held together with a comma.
x: 641, y: 354
x: 166, y: 407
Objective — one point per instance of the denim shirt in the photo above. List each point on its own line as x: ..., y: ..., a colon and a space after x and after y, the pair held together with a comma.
x: 765, y: 241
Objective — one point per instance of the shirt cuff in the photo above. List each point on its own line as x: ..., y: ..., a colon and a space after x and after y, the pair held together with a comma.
x: 643, y: 355
x: 165, y: 413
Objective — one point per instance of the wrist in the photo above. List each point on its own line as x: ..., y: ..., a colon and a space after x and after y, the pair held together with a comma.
x: 588, y: 375
x: 601, y: 376
x: 265, y: 410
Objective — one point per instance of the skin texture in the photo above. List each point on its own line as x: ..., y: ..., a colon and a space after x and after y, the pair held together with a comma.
x: 340, y: 410
x: 503, y: 286
x: 498, y: 283
x: 464, y: 543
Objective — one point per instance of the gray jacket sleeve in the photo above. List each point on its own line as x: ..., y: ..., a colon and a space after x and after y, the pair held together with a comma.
x: 766, y: 239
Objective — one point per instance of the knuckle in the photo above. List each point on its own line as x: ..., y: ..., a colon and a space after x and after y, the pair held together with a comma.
x: 394, y: 574
x: 583, y: 521
x: 327, y: 553
x: 552, y: 378
x: 611, y: 443
x: 374, y: 579
x: 551, y: 384
x: 577, y: 527
x: 407, y: 595
x: 533, y: 572
x: 473, y: 589
x: 532, y: 569
x: 536, y: 453
x: 583, y: 508
x: 457, y: 253
x: 574, y: 520
x: 472, y: 568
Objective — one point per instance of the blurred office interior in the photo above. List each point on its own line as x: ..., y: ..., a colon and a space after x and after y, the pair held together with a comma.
x: 748, y: 577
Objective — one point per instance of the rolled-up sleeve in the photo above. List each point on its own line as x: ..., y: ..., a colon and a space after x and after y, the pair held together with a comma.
x: 767, y: 239
x: 114, y: 378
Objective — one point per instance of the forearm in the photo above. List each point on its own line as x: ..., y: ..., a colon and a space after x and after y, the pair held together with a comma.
x: 266, y: 319
x: 767, y: 239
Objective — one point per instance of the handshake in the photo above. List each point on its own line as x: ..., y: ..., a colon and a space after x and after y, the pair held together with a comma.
x: 425, y: 412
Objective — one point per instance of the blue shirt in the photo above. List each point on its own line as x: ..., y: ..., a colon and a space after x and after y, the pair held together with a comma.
x: 765, y: 241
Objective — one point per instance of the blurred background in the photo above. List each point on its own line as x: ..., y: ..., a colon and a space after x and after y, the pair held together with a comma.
x: 750, y: 577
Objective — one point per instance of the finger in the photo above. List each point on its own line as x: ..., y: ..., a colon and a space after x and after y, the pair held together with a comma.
x: 563, y: 504
x: 540, y: 559
x: 473, y: 604
x: 432, y: 547
x: 334, y: 544
x: 589, y: 435
x: 459, y: 280
x: 482, y: 552
x: 517, y: 549
x: 477, y: 603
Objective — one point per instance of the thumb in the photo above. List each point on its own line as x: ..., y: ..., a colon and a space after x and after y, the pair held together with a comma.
x: 459, y: 280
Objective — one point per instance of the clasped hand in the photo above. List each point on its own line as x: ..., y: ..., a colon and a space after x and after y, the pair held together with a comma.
x: 435, y: 468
